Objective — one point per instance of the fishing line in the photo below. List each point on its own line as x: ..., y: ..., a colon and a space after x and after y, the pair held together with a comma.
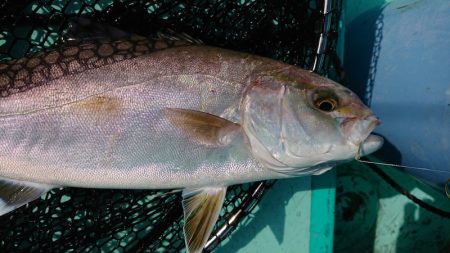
x: 400, y: 189
x: 400, y: 166
x: 446, y: 188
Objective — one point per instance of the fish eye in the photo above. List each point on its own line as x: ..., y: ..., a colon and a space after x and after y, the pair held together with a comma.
x: 325, y: 99
x: 326, y: 104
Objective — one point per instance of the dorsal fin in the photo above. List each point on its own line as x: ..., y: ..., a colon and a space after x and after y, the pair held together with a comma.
x: 171, y: 35
x: 84, y: 29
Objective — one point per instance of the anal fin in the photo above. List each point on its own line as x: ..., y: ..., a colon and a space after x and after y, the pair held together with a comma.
x: 201, y: 208
x: 16, y: 193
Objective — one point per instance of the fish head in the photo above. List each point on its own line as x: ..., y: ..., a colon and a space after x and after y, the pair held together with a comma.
x: 297, y: 119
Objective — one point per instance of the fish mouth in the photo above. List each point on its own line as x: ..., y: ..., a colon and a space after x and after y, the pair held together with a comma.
x: 371, y: 144
x: 372, y: 122
x: 361, y: 136
x: 358, y: 130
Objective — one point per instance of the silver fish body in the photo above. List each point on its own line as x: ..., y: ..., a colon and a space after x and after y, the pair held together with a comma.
x: 105, y: 127
x: 167, y: 114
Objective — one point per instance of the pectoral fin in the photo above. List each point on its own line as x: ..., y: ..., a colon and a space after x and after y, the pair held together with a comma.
x: 15, y: 193
x: 201, y: 209
x: 203, y: 127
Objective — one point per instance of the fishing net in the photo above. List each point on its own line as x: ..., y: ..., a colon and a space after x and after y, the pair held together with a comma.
x: 91, y: 220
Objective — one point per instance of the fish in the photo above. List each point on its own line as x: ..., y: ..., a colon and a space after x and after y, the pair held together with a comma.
x: 169, y: 113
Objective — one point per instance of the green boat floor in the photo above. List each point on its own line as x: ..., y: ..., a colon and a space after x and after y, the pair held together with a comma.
x: 371, y: 216
x: 296, y: 215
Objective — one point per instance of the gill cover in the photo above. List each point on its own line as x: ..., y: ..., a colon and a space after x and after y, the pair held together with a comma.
x: 284, y: 132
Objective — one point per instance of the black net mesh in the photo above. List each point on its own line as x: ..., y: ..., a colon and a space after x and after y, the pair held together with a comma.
x: 87, y: 220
